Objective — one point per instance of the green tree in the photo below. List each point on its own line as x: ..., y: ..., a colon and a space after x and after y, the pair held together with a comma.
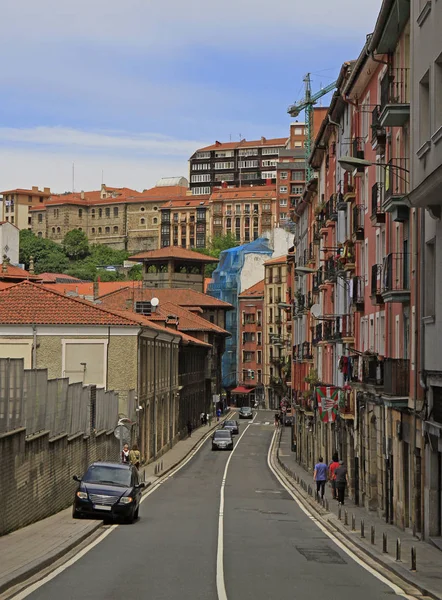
x: 215, y: 247
x: 135, y: 273
x: 106, y: 256
x: 52, y: 262
x: 75, y: 244
x: 47, y: 255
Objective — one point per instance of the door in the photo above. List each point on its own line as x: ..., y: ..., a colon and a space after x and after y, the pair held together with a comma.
x: 406, y: 479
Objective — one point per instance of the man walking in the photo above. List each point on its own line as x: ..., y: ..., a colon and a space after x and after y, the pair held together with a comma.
x: 332, y: 476
x: 341, y: 481
x: 320, y: 476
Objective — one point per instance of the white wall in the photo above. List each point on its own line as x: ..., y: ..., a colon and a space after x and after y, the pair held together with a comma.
x: 280, y: 240
x: 9, y: 242
x: 253, y: 270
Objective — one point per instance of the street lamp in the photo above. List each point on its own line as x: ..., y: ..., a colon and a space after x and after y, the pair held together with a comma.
x: 350, y: 163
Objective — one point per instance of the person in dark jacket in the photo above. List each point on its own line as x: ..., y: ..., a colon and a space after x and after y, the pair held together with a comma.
x: 341, y: 481
x: 189, y: 428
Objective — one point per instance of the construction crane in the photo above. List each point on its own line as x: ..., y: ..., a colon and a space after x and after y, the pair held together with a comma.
x: 307, y: 105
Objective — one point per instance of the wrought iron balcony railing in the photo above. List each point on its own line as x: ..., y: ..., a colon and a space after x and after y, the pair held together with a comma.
x: 396, y: 272
x: 397, y: 178
x: 377, y: 203
x: 397, y: 376
x: 395, y: 87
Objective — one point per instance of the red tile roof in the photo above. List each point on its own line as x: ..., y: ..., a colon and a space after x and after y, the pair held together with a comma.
x: 28, y: 192
x: 87, y: 288
x: 181, y: 296
x: 53, y: 277
x: 254, y: 290
x: 26, y: 303
x: 8, y: 271
x: 189, y: 321
x: 279, y: 260
x: 166, y: 191
x: 258, y: 192
x: 245, y: 144
x: 187, y: 202
x: 174, y: 252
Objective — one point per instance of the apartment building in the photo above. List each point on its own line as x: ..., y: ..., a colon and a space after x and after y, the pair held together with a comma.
x: 290, y: 183
x: 251, y: 338
x: 15, y: 205
x: 245, y: 213
x: 119, y: 217
x: 277, y: 338
x: 237, y: 164
x: 185, y: 222
x: 426, y: 201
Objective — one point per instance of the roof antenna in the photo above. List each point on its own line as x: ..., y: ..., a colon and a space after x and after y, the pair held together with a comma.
x: 102, y: 176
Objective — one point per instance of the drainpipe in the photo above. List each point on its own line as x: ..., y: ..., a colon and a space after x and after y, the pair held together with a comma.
x: 34, y: 346
x: 107, y: 358
x: 154, y: 433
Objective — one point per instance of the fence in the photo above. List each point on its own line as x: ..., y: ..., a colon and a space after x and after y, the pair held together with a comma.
x: 29, y: 400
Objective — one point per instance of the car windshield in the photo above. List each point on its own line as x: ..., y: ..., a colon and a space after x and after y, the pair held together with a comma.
x: 222, y: 434
x: 230, y: 424
x: 246, y: 409
x: 107, y: 475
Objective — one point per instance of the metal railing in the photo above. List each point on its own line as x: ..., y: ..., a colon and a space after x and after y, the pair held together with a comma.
x: 397, y: 376
x: 358, y: 147
x: 357, y: 295
x: 376, y: 280
x: 341, y: 326
x: 395, y: 87
x: 396, y: 272
x: 358, y: 219
x: 377, y: 199
x: 397, y: 177
x: 372, y: 370
x: 317, y: 334
x: 331, y: 211
x: 377, y: 131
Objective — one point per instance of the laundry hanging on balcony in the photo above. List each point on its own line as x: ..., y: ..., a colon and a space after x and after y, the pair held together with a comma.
x: 328, y: 399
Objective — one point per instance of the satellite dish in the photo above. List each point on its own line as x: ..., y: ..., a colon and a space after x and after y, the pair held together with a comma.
x: 154, y: 302
x: 316, y: 310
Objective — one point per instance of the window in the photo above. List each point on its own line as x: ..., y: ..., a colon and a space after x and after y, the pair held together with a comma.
x: 248, y: 152
x: 283, y: 189
x: 283, y: 216
x: 296, y: 189
x: 56, y: 213
x: 198, y: 191
x: 298, y: 144
x: 283, y: 175
x: 155, y: 220
x: 224, y: 154
x: 115, y: 211
x: 224, y: 177
x: 224, y: 165
x: 365, y: 116
x: 266, y: 151
x: 80, y: 212
x: 424, y: 109
x: 249, y: 176
x: 202, y: 155
x: 268, y: 175
x: 200, y: 178
x: 58, y: 230
x: 53, y: 230
x: 200, y: 166
x: 100, y: 212
x: 115, y: 229
x: 299, y: 131
x: 40, y: 218
x: 437, y: 95
x: 430, y: 279
x: 298, y: 175
x: 107, y: 230
x: 259, y: 376
x: 93, y: 213
x: 269, y: 163
x: 248, y: 164
x: 107, y: 212
x: 29, y: 198
x: 283, y: 202
x: 93, y: 229
x: 99, y: 230
x: 40, y: 234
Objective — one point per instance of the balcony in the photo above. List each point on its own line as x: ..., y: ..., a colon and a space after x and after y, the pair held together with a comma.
x: 347, y: 405
x: 317, y: 334
x: 396, y: 277
x: 339, y: 328
x: 349, y: 188
x: 330, y: 271
x: 395, y: 98
x: 358, y: 222
x: 397, y: 377
x: 397, y: 186
x: 376, y: 285
x: 377, y: 204
x: 378, y: 133
x: 357, y: 292
x: 306, y: 351
x: 331, y: 211
x: 372, y: 370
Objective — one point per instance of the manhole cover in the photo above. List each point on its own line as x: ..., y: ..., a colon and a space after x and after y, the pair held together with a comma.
x: 321, y: 554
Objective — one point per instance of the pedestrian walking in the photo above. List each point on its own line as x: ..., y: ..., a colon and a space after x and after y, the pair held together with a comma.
x: 189, y: 428
x: 202, y: 418
x: 206, y: 419
x: 209, y: 418
x: 332, y: 474
x: 320, y: 476
x: 135, y: 456
x: 125, y: 454
x: 218, y: 414
x: 277, y: 420
x: 341, y: 481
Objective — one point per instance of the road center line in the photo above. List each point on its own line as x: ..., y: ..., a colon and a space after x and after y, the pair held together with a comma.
x: 220, y: 583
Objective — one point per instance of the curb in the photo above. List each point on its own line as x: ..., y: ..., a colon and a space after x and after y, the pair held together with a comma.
x: 357, y: 547
x: 35, y: 566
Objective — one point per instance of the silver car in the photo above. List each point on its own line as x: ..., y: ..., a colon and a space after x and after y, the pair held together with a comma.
x: 222, y: 440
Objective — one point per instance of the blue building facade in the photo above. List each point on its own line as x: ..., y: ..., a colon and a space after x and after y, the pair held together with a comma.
x: 227, y: 285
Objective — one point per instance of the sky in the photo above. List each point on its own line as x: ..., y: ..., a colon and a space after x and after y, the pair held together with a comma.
x: 128, y: 90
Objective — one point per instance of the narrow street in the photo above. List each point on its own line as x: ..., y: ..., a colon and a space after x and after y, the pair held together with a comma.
x: 272, y: 549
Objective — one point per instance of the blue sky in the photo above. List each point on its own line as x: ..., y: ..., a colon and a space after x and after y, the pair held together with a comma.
x: 133, y: 88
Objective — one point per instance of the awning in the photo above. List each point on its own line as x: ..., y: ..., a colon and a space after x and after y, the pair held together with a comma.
x: 241, y: 390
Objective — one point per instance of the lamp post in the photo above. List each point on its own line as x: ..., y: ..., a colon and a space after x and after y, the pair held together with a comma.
x: 351, y: 163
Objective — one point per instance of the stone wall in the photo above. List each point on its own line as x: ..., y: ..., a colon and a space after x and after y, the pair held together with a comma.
x: 36, y: 472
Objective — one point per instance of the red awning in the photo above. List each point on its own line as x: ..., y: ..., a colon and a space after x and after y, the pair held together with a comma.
x: 241, y: 390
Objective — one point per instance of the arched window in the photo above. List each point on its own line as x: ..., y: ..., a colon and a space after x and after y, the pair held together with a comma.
x: 107, y: 230
x: 100, y: 212
x: 93, y: 213
x: 80, y: 212
x: 53, y: 230
x: 58, y: 229
x: 40, y: 234
x: 93, y: 229
x: 155, y: 220
x: 115, y: 229
x: 99, y: 230
x: 142, y: 221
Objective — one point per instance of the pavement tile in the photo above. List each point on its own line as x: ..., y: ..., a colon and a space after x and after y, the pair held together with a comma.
x: 429, y: 558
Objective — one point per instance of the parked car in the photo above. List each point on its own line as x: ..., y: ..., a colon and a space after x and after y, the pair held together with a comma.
x: 108, y: 490
x: 232, y: 426
x: 245, y: 412
x: 222, y: 440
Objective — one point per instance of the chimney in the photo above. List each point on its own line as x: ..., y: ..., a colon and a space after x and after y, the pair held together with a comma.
x: 224, y: 184
x: 217, y: 143
x: 172, y: 321
x: 96, y: 289
x: 31, y: 265
x: 35, y: 188
x: 5, y: 264
x: 82, y: 194
x: 263, y: 140
x: 47, y: 190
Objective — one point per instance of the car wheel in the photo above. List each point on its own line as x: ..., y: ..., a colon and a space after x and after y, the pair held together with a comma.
x: 75, y: 513
x: 136, y: 513
x: 130, y: 519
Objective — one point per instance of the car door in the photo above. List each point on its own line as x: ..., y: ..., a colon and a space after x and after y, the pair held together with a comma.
x: 136, y: 483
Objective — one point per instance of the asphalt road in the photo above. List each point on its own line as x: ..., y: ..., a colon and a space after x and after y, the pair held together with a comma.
x: 272, y: 549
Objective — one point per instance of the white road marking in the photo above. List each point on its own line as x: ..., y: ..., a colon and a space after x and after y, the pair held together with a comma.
x: 29, y: 590
x: 397, y: 590
x: 220, y: 583
x: 267, y: 423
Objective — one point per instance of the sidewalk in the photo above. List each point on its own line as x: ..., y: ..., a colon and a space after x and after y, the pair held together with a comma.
x: 427, y: 577
x: 27, y: 551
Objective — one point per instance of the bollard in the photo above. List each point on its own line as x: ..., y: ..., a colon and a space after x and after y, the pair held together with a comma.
x: 413, y: 558
x: 398, y: 550
x: 353, y: 523
x: 156, y: 469
x: 339, y: 513
x: 372, y: 534
x: 362, y: 528
x: 327, y: 505
x: 384, y: 543
x: 345, y: 517
x: 161, y: 465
